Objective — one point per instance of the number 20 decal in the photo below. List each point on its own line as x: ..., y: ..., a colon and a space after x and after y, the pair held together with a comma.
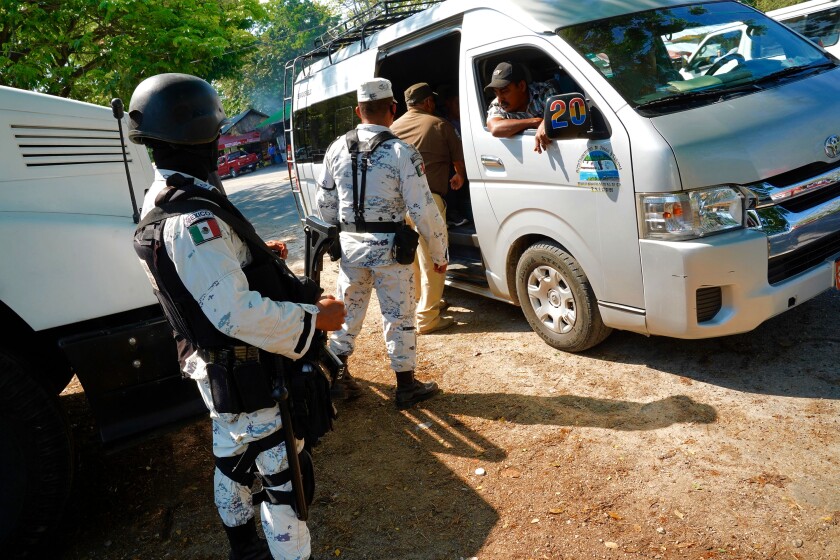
x: 576, y: 108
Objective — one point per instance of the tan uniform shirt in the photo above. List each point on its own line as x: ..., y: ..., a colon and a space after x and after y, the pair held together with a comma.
x: 436, y: 140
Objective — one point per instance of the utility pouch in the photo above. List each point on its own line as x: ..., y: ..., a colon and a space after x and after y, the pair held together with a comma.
x: 405, y: 244
x: 222, y: 390
x: 311, y: 405
x: 253, y: 386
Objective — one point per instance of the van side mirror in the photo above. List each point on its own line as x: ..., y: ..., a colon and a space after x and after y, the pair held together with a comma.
x: 570, y: 116
x: 566, y: 116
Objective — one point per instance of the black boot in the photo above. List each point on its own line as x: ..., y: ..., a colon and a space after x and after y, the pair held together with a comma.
x: 245, y: 544
x: 411, y: 391
x: 345, y: 387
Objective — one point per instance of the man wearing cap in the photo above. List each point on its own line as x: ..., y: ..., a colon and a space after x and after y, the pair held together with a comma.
x: 518, y: 105
x: 439, y: 144
x: 368, y: 201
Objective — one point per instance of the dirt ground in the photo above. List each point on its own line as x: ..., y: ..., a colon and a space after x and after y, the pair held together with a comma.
x: 640, y: 448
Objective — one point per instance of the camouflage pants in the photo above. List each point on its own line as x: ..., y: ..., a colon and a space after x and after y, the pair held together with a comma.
x: 394, y: 285
x: 287, y: 536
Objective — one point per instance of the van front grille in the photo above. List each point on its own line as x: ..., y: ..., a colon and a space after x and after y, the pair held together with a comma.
x: 45, y: 146
x: 790, y: 264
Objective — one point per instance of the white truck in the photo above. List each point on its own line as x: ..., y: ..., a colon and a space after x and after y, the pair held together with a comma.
x: 73, y: 300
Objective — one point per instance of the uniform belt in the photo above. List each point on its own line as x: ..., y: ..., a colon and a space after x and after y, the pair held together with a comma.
x: 230, y: 355
x: 371, y: 227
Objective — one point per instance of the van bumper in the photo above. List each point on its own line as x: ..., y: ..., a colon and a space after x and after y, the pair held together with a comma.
x: 736, y: 263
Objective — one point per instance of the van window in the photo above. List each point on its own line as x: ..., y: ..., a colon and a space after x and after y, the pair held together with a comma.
x: 316, y: 126
x: 539, y: 67
x: 752, y: 52
x: 823, y: 28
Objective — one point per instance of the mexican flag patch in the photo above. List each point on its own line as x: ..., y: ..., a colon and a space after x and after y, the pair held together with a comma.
x: 205, y: 230
x: 419, y: 166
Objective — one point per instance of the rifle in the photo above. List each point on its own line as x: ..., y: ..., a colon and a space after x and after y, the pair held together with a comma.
x: 319, y: 238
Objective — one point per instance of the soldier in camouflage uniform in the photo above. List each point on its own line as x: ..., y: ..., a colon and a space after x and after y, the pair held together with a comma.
x: 179, y: 116
x: 395, y: 183
x: 518, y: 105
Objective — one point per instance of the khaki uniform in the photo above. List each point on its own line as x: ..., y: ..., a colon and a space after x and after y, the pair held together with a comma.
x: 396, y: 184
x: 439, y: 144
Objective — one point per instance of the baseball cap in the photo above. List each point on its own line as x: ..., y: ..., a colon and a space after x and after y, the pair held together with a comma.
x: 505, y: 73
x: 417, y: 93
x: 372, y: 90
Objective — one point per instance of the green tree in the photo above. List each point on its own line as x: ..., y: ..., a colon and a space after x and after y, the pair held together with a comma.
x: 290, y: 29
x: 93, y: 50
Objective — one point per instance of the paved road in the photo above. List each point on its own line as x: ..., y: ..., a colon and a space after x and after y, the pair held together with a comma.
x: 265, y: 197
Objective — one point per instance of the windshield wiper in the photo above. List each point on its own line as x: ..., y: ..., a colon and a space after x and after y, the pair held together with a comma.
x: 725, y: 92
x: 792, y: 70
x: 689, y: 96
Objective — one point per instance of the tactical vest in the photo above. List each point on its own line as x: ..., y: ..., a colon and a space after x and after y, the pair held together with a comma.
x: 250, y: 386
x: 266, y: 273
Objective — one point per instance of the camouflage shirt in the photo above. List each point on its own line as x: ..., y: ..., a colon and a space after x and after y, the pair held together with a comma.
x: 396, y: 183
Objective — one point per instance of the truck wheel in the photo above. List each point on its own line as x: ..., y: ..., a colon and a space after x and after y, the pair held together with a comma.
x: 557, y: 299
x: 36, y: 473
x: 234, y: 173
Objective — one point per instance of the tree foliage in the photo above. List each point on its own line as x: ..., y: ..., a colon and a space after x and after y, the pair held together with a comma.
x: 93, y: 50
x: 290, y: 29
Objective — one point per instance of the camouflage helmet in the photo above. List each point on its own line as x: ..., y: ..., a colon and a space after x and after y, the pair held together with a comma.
x: 175, y: 108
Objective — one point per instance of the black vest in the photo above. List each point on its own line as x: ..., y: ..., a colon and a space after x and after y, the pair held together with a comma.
x: 266, y: 274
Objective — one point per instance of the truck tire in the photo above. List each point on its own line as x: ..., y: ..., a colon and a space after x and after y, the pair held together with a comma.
x: 36, y: 473
x: 234, y: 173
x: 557, y: 299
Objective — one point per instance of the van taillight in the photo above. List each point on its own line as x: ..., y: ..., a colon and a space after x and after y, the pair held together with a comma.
x: 288, y: 152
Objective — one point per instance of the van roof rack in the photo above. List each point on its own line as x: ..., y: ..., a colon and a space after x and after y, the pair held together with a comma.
x: 365, y: 23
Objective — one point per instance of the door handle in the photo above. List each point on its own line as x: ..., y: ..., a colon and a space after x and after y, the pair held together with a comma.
x: 492, y: 161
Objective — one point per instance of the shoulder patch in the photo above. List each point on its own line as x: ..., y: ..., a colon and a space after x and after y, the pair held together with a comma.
x: 190, y: 219
x: 205, y: 230
x: 417, y: 162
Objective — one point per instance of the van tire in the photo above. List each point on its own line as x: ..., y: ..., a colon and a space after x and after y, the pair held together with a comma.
x: 36, y: 473
x: 234, y: 173
x: 558, y: 300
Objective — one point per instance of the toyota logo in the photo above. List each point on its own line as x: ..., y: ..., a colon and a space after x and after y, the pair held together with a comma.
x: 832, y: 146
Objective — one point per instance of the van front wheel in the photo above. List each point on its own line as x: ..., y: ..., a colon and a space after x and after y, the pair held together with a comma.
x: 557, y: 299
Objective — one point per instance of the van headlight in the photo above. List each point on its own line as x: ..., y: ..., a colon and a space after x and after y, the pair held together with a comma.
x: 690, y: 214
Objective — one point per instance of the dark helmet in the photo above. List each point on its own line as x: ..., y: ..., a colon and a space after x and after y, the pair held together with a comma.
x: 175, y: 108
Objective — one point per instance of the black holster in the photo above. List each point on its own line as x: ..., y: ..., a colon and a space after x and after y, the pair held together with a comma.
x: 405, y: 244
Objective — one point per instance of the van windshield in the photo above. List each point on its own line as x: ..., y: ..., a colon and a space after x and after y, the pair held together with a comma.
x: 668, y: 60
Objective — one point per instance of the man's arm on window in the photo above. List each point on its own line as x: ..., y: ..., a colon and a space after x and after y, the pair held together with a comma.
x: 505, y: 128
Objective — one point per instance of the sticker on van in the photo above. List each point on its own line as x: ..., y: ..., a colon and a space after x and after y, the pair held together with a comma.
x: 598, y: 168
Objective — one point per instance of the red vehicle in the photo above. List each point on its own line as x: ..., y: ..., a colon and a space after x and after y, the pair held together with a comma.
x: 236, y: 163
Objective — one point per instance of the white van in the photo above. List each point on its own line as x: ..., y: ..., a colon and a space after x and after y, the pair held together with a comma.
x: 689, y: 207
x: 818, y: 20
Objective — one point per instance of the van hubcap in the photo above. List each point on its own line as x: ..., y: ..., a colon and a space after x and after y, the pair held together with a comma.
x: 551, y: 299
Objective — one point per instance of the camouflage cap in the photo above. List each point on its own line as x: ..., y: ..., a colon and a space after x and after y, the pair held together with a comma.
x: 372, y: 90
